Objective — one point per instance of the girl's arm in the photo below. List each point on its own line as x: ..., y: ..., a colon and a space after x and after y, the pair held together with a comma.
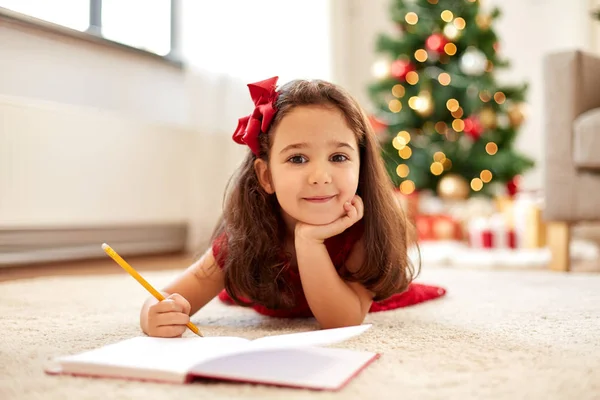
x: 334, y: 302
x: 198, y: 284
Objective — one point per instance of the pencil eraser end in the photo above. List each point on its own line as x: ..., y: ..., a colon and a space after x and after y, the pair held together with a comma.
x: 105, y: 246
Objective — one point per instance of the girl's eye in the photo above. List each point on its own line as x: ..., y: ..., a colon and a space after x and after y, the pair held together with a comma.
x: 339, y: 158
x: 297, y: 159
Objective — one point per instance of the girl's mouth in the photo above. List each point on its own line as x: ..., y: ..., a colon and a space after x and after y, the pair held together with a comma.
x: 319, y: 199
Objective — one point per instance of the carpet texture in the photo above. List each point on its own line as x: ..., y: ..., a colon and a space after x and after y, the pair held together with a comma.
x: 495, y: 335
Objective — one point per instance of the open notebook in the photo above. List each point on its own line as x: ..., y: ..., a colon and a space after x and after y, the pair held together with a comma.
x: 293, y: 360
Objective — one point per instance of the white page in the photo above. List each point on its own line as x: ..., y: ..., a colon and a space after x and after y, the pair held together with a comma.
x: 305, y: 339
x: 317, y: 368
x: 159, y: 354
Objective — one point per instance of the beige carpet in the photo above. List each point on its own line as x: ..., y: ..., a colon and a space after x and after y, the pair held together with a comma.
x: 496, y: 335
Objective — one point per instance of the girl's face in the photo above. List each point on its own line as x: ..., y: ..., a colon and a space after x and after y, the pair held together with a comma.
x: 314, y: 165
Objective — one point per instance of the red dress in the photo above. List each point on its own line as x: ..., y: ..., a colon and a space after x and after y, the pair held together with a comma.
x: 339, y: 248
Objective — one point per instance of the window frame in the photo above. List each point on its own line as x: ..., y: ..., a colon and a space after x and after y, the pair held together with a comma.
x: 94, y: 32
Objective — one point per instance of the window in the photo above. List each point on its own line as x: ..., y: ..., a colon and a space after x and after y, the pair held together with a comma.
x: 138, y: 23
x: 146, y: 25
x: 74, y: 14
x: 255, y: 39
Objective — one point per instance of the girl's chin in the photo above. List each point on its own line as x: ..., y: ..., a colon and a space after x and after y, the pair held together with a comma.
x: 318, y: 219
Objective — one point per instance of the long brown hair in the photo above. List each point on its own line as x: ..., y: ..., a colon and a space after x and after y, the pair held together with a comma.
x: 254, y: 230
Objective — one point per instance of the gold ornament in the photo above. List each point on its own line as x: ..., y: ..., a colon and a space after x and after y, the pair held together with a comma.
x: 484, y: 21
x: 487, y: 116
x: 453, y: 187
x: 516, y: 115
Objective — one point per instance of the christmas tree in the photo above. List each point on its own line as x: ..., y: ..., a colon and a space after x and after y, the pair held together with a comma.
x: 444, y: 122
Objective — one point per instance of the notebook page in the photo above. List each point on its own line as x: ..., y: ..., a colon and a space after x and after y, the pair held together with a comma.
x: 174, y: 355
x: 304, y: 339
x: 316, y: 368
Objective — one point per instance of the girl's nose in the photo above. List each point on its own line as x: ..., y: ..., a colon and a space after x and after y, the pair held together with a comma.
x: 319, y: 175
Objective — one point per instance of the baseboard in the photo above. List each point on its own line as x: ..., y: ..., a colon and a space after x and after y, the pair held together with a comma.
x: 30, y: 246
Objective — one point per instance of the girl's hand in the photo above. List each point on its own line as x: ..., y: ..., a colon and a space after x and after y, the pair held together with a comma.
x: 354, y: 210
x: 167, y: 318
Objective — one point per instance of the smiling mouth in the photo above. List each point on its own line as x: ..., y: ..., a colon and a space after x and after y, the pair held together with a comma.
x: 318, y: 199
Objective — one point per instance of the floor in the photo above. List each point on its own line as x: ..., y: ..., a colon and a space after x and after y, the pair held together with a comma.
x: 497, y: 335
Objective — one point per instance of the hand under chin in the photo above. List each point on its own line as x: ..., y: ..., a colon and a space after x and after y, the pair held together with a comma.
x: 320, y: 230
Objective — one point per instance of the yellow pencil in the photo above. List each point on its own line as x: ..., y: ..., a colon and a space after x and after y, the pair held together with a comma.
x: 113, y: 254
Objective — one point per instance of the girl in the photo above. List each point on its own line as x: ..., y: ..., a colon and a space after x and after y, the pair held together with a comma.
x: 310, y: 225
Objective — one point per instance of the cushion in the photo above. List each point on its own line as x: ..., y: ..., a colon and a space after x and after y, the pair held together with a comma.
x: 586, y: 145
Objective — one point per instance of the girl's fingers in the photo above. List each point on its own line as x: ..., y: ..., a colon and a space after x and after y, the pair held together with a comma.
x: 165, y: 306
x: 173, y: 318
x: 359, y: 205
x: 169, y: 331
x: 181, y: 301
x: 352, y: 214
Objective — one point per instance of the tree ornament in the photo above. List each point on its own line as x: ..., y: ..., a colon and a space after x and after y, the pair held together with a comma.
x: 473, y: 127
x: 473, y: 62
x: 451, y: 31
x: 453, y: 187
x: 516, y: 116
x: 487, y: 116
x: 512, y: 186
x: 484, y: 21
x: 379, y: 126
x: 503, y: 121
x: 400, y: 68
x: 436, y: 43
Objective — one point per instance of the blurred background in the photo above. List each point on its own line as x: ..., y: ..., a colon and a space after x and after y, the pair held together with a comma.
x: 116, y: 116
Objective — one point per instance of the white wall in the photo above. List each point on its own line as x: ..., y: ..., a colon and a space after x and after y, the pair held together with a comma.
x: 527, y: 30
x: 70, y: 166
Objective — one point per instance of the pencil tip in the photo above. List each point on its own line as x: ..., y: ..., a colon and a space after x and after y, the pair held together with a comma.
x: 104, y: 246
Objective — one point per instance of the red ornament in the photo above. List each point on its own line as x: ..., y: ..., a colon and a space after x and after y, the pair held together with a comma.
x: 400, y: 68
x: 378, y: 125
x: 436, y: 42
x: 473, y: 127
x: 512, y: 186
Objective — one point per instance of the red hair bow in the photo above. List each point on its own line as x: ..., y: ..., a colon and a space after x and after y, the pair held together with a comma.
x: 263, y: 94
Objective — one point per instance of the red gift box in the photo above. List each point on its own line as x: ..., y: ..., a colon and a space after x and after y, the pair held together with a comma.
x: 491, y: 233
x: 437, y: 227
